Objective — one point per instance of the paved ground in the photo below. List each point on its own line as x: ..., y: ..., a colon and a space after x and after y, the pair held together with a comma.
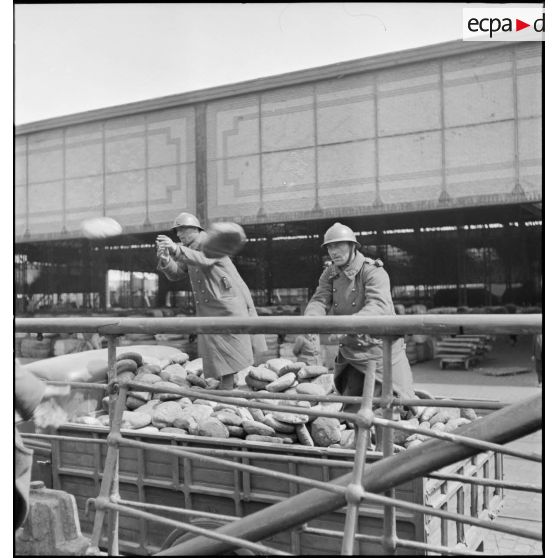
x: 521, y: 509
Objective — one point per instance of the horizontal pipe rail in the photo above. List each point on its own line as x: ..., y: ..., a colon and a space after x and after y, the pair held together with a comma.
x: 459, y: 439
x: 178, y: 511
x: 83, y: 385
x: 487, y: 482
x: 339, y: 534
x: 293, y: 459
x: 406, y: 543
x: 216, y: 452
x: 486, y: 524
x: 435, y: 324
x: 31, y: 435
x: 505, y: 425
x: 330, y: 398
x: 188, y: 527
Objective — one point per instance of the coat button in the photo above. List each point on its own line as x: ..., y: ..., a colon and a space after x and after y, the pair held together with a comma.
x: 334, y: 290
x: 335, y: 304
x: 340, y: 344
x: 354, y: 304
x: 359, y: 344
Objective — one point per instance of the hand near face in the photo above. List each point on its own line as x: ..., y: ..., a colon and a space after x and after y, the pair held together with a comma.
x: 165, y: 247
x: 165, y: 242
x: 162, y: 252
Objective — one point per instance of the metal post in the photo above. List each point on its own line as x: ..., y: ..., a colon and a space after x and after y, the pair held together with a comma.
x: 113, y: 514
x: 355, y: 489
x: 460, y: 527
x: 498, y: 471
x: 111, y: 466
x: 387, y: 444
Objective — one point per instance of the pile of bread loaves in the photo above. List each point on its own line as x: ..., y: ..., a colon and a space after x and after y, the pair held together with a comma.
x: 172, y: 413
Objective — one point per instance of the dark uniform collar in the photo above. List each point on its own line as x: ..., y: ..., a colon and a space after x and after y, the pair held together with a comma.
x: 350, y: 270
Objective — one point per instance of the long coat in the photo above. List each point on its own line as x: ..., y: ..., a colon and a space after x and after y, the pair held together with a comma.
x: 219, y: 290
x: 362, y: 288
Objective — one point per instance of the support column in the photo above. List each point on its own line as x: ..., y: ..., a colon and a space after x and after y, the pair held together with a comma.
x: 269, y: 270
x: 201, y: 163
x: 103, y: 278
x: 460, y: 279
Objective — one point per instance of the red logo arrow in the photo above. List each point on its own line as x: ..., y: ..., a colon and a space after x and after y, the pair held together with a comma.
x: 519, y: 25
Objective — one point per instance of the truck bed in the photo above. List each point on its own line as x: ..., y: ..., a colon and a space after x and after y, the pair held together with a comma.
x: 152, y: 477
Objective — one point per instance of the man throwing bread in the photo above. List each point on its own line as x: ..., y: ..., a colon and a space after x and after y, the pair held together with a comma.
x: 218, y: 289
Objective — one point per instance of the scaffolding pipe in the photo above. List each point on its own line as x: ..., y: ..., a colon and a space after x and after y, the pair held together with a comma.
x: 506, y: 425
x: 389, y: 541
x: 113, y: 519
x: 381, y: 326
x: 111, y: 465
x: 354, y: 489
x: 395, y: 402
x: 524, y: 487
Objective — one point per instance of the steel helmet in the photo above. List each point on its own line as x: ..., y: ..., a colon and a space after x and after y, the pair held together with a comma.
x: 187, y: 220
x: 339, y: 233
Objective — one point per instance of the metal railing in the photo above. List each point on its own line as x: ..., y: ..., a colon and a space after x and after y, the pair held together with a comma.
x: 365, y: 482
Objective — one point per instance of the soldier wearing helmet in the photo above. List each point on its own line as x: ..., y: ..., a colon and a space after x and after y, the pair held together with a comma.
x: 356, y: 285
x: 218, y: 290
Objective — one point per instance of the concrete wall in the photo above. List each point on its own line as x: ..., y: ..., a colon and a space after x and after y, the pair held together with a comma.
x: 446, y: 131
x: 136, y: 169
x: 451, y: 132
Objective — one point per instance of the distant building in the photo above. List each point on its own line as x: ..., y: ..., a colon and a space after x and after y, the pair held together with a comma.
x: 432, y: 155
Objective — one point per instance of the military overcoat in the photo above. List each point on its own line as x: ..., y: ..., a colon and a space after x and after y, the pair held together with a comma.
x: 361, y: 288
x: 218, y: 290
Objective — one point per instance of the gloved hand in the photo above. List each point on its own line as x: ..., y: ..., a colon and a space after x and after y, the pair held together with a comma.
x: 162, y: 253
x: 165, y: 242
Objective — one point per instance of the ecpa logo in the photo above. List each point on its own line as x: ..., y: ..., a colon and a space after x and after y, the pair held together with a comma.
x: 503, y: 24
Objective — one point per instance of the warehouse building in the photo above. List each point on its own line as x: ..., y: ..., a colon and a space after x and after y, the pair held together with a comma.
x: 432, y: 155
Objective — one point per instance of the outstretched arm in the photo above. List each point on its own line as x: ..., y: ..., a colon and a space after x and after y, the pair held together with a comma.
x: 183, y: 255
x: 168, y: 265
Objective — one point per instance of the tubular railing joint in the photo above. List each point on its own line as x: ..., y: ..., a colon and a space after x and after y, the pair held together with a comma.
x: 114, y: 439
x: 365, y: 418
x: 354, y: 493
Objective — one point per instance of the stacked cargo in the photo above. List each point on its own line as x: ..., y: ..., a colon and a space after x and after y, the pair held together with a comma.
x: 419, y: 348
x: 463, y: 350
x: 173, y: 413
x: 37, y: 347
